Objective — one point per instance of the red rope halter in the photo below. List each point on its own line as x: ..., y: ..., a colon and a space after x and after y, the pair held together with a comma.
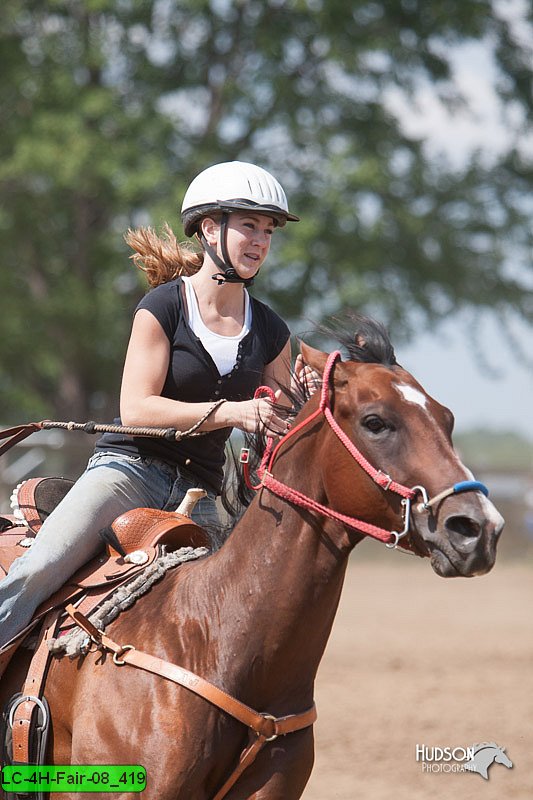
x: 280, y: 489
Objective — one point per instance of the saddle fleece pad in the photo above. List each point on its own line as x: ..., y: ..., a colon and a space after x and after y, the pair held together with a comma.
x: 76, y: 642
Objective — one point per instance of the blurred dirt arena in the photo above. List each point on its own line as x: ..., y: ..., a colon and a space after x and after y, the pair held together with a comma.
x: 418, y: 660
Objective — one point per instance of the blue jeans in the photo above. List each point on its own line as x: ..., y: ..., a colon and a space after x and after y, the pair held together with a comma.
x: 112, y: 484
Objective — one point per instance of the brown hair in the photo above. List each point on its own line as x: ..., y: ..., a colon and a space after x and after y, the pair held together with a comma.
x: 162, y: 257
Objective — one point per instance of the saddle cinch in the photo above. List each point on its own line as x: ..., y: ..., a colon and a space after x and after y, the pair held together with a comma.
x: 135, y: 541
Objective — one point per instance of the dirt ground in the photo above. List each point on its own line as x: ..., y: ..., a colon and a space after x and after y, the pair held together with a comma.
x: 418, y: 660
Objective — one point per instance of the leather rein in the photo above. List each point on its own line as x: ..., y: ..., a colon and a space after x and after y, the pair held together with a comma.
x: 266, y: 479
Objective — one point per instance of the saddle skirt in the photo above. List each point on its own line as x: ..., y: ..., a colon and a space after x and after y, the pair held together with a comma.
x: 31, y: 502
x: 137, y: 538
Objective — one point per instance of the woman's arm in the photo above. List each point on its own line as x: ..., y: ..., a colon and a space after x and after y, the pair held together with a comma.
x: 145, y: 371
x: 277, y: 374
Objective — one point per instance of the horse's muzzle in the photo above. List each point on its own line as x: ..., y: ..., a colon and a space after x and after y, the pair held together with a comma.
x: 461, y: 535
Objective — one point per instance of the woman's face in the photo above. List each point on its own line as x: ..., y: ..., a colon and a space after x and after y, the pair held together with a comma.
x: 248, y: 241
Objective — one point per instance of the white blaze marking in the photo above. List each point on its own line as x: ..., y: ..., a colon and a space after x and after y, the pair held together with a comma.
x: 412, y: 395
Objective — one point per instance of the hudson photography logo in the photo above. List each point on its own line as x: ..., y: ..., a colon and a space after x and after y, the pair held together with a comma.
x: 477, y: 758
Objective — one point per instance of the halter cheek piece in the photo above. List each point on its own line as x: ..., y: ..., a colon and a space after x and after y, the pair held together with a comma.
x: 390, y: 538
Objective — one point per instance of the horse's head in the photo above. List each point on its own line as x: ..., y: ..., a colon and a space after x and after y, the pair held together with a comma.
x: 501, y: 757
x: 403, y: 433
x: 484, y: 756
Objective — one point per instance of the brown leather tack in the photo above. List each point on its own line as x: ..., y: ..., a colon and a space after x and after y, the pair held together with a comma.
x: 265, y: 726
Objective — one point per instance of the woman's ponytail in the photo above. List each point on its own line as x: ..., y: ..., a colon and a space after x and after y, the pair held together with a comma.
x: 162, y: 257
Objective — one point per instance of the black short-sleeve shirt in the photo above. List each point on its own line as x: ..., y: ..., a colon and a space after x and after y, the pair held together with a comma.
x: 193, y: 377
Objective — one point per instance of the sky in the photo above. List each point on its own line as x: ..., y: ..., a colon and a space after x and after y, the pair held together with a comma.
x: 498, y: 394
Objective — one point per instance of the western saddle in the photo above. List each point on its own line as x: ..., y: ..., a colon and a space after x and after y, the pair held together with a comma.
x: 133, y: 542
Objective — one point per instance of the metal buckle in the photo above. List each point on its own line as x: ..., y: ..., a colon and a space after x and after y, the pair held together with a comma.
x: 19, y: 701
x: 383, y: 479
x: 423, y: 506
x: 122, y: 650
x: 244, y: 457
x: 264, y: 477
x: 406, y: 504
x: 394, y: 544
x: 275, y: 736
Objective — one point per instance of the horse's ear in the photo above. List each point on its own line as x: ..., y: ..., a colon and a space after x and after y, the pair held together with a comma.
x: 314, y: 358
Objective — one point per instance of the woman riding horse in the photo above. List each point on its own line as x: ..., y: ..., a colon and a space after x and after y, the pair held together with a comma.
x: 371, y: 454
x: 199, y: 347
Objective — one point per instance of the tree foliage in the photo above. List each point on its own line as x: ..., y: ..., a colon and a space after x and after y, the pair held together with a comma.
x: 110, y: 107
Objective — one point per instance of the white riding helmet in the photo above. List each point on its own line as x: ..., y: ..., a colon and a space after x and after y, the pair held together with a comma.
x: 234, y: 186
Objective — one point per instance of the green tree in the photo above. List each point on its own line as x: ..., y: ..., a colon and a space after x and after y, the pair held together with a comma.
x: 110, y: 107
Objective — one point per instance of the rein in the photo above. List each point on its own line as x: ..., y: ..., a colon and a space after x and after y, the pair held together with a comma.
x: 20, y: 432
x: 382, y: 479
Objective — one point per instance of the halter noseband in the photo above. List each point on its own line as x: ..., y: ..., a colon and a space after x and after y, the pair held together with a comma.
x: 267, y: 480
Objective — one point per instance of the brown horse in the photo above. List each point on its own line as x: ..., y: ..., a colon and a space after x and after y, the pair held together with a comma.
x: 254, y: 618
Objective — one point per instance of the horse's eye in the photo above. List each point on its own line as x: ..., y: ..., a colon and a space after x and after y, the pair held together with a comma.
x: 374, y: 423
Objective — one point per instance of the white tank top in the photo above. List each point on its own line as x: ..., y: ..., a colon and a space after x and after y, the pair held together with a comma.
x: 222, y: 349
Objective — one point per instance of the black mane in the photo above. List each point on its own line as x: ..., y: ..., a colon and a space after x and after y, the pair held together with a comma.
x: 364, y: 339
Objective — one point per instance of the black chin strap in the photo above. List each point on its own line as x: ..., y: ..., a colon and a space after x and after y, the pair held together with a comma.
x: 228, y: 272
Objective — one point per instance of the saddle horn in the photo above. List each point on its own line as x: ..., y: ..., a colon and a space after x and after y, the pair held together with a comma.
x: 187, y: 505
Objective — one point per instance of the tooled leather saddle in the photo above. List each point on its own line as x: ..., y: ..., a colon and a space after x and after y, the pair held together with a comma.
x: 142, y: 531
x: 134, y: 541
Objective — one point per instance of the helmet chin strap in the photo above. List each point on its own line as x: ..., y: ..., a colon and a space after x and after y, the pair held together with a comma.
x: 228, y: 272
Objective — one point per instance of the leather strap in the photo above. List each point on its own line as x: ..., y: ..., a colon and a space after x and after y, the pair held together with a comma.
x: 264, y: 725
x: 17, y: 434
x: 248, y: 756
x: 33, y: 687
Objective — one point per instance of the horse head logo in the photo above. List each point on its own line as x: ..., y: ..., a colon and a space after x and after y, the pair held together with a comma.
x: 485, y: 755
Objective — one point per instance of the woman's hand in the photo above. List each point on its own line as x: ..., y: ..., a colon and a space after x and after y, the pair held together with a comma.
x: 305, y: 377
x: 260, y: 414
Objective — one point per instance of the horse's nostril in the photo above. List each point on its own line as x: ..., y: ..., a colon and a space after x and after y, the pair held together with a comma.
x: 464, y: 526
x: 463, y: 533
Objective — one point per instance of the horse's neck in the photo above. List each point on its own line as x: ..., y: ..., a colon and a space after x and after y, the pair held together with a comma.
x: 485, y: 758
x: 279, y: 579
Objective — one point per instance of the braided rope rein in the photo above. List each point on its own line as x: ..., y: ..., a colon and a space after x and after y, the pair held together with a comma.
x: 131, y: 430
x: 21, y: 432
